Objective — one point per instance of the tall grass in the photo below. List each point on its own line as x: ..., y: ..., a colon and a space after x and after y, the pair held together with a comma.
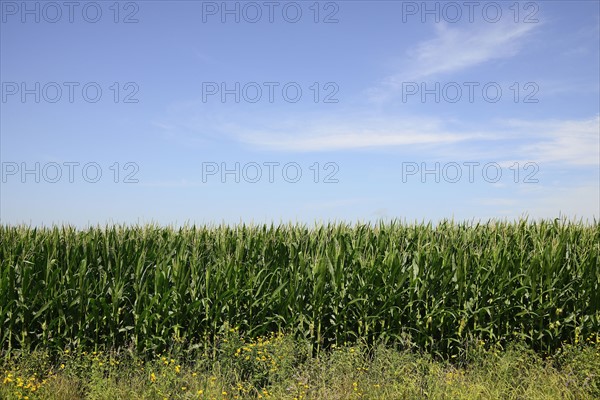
x: 154, y: 288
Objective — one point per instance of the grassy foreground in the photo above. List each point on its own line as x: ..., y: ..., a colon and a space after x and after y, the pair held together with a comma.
x: 280, y: 367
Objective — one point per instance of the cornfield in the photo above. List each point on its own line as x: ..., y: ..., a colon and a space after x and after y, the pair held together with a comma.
x: 152, y: 288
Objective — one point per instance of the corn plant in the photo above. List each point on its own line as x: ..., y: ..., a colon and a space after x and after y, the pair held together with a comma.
x: 157, y: 288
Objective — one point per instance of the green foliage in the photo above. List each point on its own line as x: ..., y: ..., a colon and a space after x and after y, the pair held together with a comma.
x: 275, y: 367
x: 154, y: 288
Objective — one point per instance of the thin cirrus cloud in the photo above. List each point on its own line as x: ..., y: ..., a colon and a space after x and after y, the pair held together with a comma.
x: 451, y: 50
x: 339, y: 134
x: 454, y: 49
x: 568, y: 142
x: 572, y: 142
x: 347, y: 141
x: 314, y: 132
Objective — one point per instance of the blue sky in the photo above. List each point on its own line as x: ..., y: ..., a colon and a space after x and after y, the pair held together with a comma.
x: 298, y: 111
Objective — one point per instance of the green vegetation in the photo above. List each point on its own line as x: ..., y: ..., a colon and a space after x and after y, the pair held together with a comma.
x: 280, y: 367
x: 152, y: 288
x: 495, y: 310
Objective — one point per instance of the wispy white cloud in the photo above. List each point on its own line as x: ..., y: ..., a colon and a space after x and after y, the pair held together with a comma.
x: 453, y: 49
x: 349, y: 140
x: 338, y: 134
x: 574, y: 142
x: 564, y: 142
x: 567, y: 142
